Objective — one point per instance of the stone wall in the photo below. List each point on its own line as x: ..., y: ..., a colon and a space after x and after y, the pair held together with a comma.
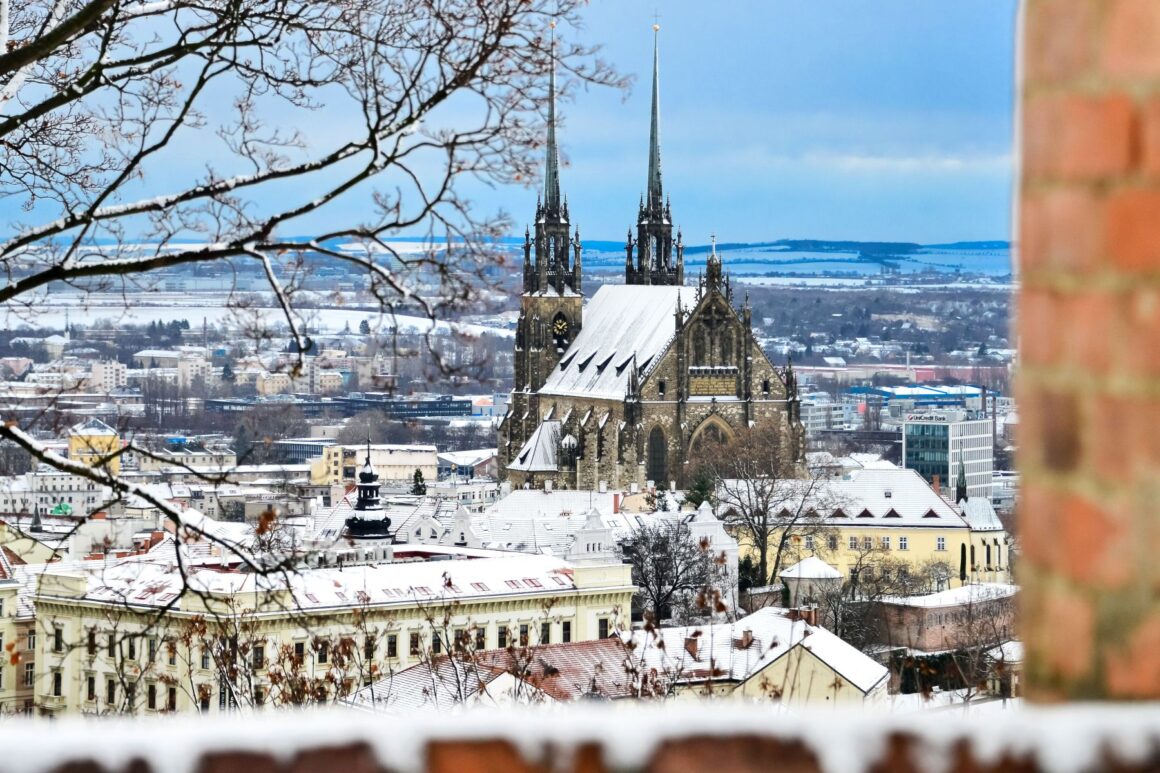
x: 1089, y: 337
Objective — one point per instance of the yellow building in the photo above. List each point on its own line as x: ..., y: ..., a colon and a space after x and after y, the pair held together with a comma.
x: 890, y: 517
x: 93, y: 442
x: 339, y: 464
x: 130, y: 636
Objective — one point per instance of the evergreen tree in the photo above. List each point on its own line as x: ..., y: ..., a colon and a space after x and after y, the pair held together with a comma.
x: 418, y: 488
x: 228, y: 375
x: 364, y: 328
x: 701, y: 489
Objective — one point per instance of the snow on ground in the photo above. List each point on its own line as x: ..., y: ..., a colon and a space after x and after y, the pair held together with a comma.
x: 86, y: 310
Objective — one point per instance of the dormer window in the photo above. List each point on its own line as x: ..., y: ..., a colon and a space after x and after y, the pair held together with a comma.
x: 889, y: 493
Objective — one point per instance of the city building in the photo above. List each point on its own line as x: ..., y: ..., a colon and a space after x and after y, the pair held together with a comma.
x: 95, y: 443
x: 633, y: 386
x: 935, y: 442
x: 233, y: 639
x: 394, y: 463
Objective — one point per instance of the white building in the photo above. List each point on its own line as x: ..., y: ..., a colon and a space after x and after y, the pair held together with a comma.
x: 108, y: 375
x: 935, y: 442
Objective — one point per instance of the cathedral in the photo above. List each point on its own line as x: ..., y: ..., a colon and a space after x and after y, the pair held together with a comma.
x: 631, y: 387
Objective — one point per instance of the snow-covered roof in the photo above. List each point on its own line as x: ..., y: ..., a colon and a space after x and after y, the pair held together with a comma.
x: 154, y: 582
x: 93, y: 427
x: 966, y: 594
x: 980, y: 514
x: 467, y: 458
x: 539, y: 453
x: 812, y: 568
x: 620, y: 321
x: 735, y: 656
x: 1007, y: 652
x: 438, y: 686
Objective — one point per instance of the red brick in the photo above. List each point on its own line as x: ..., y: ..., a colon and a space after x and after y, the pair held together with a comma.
x: 1133, y: 669
x: 1150, y: 138
x: 1038, y: 540
x: 1038, y: 326
x: 1114, y: 437
x: 1089, y: 323
x: 1077, y: 137
x: 1095, y: 543
x: 1060, y: 229
x: 477, y: 756
x: 1132, y: 230
x: 1131, y: 35
x: 1139, y: 347
x: 1064, y: 630
x: 1059, y: 42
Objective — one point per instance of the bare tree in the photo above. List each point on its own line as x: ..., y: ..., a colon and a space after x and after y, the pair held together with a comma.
x: 766, y: 499
x: 669, y: 567
x: 144, y: 136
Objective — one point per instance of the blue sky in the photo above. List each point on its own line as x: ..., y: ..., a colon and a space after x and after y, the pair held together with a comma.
x: 824, y: 119
x: 860, y: 119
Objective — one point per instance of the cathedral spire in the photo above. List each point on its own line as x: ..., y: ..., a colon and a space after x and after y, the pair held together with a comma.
x: 552, y: 162
x: 655, y: 193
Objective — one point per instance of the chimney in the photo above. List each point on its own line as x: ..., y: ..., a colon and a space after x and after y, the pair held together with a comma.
x: 693, y: 646
x: 547, y: 487
x: 616, y: 503
x: 634, y: 488
x: 603, y: 487
x: 936, y: 483
x: 810, y: 615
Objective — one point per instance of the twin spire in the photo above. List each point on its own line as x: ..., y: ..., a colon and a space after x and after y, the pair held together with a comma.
x: 655, y: 189
x: 552, y: 162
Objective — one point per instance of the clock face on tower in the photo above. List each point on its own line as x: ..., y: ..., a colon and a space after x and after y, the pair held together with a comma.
x: 560, y: 330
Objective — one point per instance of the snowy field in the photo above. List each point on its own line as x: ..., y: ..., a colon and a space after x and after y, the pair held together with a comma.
x: 117, y: 309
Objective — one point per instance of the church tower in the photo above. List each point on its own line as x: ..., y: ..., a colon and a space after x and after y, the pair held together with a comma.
x: 551, y: 306
x: 656, y: 261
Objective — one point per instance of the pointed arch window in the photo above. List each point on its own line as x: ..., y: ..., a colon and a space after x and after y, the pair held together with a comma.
x: 657, y: 456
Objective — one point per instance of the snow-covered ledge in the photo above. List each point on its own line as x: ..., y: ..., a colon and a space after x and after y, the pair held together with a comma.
x: 672, y: 736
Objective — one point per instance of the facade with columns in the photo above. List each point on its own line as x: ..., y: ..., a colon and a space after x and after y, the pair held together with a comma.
x: 629, y: 387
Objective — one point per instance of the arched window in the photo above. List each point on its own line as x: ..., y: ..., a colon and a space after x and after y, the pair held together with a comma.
x: 657, y: 453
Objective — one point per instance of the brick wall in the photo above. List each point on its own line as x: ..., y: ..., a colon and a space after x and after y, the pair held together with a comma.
x: 1089, y: 336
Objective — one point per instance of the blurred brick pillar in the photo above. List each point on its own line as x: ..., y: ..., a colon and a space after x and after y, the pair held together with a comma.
x: 1089, y: 336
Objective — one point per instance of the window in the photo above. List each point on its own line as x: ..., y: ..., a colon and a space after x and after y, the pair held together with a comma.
x: 29, y: 674
x: 31, y: 640
x: 903, y: 543
x: 867, y: 543
x: 259, y: 696
x: 602, y: 628
x: 111, y: 691
x: 299, y: 652
x: 171, y: 701
x: 151, y: 696
x: 545, y: 633
x: 91, y: 688
x: 57, y: 639
x: 853, y: 543
x: 414, y: 644
x: 205, y: 657
x: 57, y: 684
x: 436, y: 643
x: 323, y: 652
x: 832, y: 542
x: 152, y: 649
x: 566, y: 632
x: 503, y: 637
x: 369, y: 648
x: 130, y: 696
x: 940, y: 543
x: 132, y: 648
x: 172, y: 649
x: 203, y: 704
x: 91, y: 643
x: 112, y: 642
x: 809, y: 542
x: 886, y: 543
x: 523, y: 635
x: 392, y: 645
x: 258, y: 657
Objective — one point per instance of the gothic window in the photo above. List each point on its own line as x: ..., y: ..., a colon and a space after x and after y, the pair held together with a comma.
x: 765, y: 387
x: 727, y: 347
x: 661, y: 388
x: 700, y: 337
x: 657, y: 452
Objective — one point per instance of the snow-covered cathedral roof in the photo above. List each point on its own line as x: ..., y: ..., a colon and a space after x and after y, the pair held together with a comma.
x: 619, y: 321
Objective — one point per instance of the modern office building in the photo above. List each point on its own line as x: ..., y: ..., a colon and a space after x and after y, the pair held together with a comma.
x: 935, y: 442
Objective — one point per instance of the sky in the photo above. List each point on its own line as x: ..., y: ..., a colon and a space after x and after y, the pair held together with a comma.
x: 888, y: 120
x: 874, y: 120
